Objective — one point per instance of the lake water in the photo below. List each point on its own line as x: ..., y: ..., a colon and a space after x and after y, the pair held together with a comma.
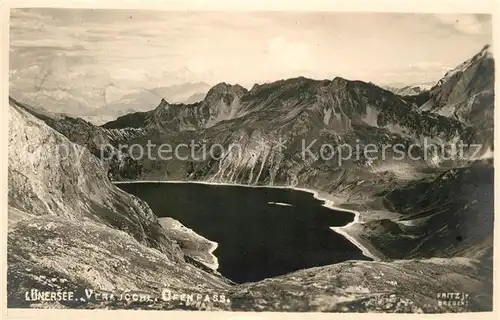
x: 261, y: 232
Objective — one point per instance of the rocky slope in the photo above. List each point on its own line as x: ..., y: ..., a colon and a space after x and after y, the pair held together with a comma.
x: 50, y: 253
x: 354, y: 286
x: 444, y: 216
x: 221, y: 103
x: 77, y: 178
x: 67, y: 220
x: 102, y: 143
x: 466, y: 92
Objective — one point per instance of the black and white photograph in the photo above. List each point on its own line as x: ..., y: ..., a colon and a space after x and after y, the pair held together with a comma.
x: 250, y: 161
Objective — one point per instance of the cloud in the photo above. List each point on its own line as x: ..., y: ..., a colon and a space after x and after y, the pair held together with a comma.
x: 82, y: 53
x: 466, y: 23
x: 291, y: 55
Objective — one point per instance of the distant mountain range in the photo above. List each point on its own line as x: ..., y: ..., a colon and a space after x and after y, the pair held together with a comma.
x: 148, y: 99
x: 408, y: 90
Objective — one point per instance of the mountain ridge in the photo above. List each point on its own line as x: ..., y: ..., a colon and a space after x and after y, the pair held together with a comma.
x: 466, y: 93
x: 329, y: 96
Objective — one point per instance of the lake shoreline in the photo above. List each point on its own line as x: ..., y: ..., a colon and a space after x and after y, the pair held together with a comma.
x: 345, y: 231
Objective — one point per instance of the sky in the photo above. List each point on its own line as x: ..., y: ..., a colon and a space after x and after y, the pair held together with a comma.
x: 83, y: 58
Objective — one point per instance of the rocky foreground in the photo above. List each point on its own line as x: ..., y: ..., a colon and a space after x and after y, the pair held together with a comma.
x: 68, y: 221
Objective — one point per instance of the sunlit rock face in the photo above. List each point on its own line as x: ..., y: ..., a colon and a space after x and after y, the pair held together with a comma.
x: 466, y: 93
x: 222, y: 102
x: 68, y: 221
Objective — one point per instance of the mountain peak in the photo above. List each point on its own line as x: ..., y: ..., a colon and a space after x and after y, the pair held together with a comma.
x: 340, y: 81
x: 486, y: 51
x: 224, y: 87
x: 466, y: 93
x: 486, y: 47
x: 163, y: 104
x: 484, y: 54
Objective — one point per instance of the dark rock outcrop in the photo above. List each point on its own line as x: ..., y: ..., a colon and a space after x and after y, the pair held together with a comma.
x: 68, y: 221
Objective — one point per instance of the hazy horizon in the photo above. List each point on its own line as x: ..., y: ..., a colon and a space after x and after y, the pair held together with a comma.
x: 87, y: 58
